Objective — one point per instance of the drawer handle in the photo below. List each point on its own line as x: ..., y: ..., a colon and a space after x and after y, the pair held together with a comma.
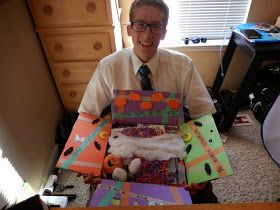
x: 91, y: 7
x: 58, y: 47
x: 97, y: 46
x: 47, y: 9
x: 66, y: 73
x: 73, y: 94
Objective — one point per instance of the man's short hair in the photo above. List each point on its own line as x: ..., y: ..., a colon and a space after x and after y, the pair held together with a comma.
x: 160, y: 4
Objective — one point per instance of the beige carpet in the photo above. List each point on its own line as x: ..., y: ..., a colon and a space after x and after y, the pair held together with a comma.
x: 82, y: 191
x: 256, y: 177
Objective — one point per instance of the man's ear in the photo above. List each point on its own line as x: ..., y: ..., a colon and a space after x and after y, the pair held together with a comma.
x: 163, y: 34
x: 128, y: 28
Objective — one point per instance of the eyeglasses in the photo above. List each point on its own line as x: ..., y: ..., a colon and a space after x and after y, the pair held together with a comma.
x: 141, y: 27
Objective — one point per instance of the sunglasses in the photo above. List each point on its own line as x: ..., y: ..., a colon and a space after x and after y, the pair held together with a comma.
x: 195, y: 40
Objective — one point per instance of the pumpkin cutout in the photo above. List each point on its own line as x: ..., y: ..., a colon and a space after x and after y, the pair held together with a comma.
x: 111, y: 162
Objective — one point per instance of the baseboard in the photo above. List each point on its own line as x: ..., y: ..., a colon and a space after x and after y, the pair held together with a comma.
x: 50, y: 169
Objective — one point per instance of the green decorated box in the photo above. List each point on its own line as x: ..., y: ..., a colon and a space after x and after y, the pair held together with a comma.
x: 206, y: 157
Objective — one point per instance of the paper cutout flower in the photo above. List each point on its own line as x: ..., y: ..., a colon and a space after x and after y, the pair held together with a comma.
x: 120, y: 101
x: 173, y: 104
x: 157, y: 97
x: 145, y: 105
x: 134, y: 96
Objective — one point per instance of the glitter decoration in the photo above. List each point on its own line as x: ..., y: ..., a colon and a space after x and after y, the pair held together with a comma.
x: 142, y: 131
x: 157, y: 172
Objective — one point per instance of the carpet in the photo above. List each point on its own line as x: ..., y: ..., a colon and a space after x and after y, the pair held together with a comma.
x: 256, y: 177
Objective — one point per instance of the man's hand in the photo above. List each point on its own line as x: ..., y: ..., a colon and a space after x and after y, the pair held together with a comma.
x: 90, y: 179
x: 194, y: 188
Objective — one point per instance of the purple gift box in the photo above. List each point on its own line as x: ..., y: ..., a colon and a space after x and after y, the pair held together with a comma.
x: 146, y: 107
x: 117, y: 193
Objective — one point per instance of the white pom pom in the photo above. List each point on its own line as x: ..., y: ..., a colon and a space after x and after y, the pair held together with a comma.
x: 134, y: 166
x: 119, y: 174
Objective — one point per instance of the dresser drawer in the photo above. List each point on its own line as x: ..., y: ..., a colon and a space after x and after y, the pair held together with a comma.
x: 71, y: 107
x: 73, y: 72
x: 59, y: 13
x: 78, y: 47
x: 71, y: 96
x: 72, y: 93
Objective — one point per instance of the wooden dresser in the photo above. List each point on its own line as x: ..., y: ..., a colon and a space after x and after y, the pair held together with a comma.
x: 75, y: 35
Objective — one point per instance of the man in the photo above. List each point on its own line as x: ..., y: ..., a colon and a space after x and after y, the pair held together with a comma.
x: 170, y: 71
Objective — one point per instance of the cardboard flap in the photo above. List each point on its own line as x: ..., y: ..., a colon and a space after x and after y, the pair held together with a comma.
x: 86, y: 146
x: 206, y: 158
x: 146, y: 107
x: 116, y: 193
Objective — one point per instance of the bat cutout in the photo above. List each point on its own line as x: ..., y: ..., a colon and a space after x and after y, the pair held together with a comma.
x: 68, y: 151
x: 97, y: 145
x: 95, y: 121
x: 188, y: 149
x: 198, y: 123
x: 207, y: 169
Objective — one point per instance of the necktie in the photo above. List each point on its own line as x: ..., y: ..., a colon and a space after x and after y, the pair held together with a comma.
x: 145, y: 80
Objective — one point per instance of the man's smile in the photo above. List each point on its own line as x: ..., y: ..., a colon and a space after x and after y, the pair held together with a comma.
x: 146, y: 44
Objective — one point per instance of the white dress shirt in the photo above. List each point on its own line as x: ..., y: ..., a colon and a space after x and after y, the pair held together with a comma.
x: 171, y: 71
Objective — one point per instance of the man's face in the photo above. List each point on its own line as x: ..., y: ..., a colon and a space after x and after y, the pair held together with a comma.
x: 146, y: 42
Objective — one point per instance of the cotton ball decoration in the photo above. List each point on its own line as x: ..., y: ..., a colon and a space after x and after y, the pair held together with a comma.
x: 119, y: 174
x: 134, y: 166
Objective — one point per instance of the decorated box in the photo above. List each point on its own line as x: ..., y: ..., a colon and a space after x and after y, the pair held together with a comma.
x: 206, y: 158
x: 86, y: 146
x: 146, y: 107
x: 116, y: 193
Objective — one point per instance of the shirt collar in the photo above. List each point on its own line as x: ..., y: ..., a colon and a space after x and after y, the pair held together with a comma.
x: 152, y: 64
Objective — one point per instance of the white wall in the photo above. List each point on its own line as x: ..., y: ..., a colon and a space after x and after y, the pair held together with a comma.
x: 29, y: 107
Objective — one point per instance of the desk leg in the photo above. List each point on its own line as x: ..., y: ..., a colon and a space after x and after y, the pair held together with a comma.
x: 225, y: 61
x: 243, y: 93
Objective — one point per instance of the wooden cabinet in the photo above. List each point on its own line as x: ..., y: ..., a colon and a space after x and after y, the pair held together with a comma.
x: 75, y: 35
